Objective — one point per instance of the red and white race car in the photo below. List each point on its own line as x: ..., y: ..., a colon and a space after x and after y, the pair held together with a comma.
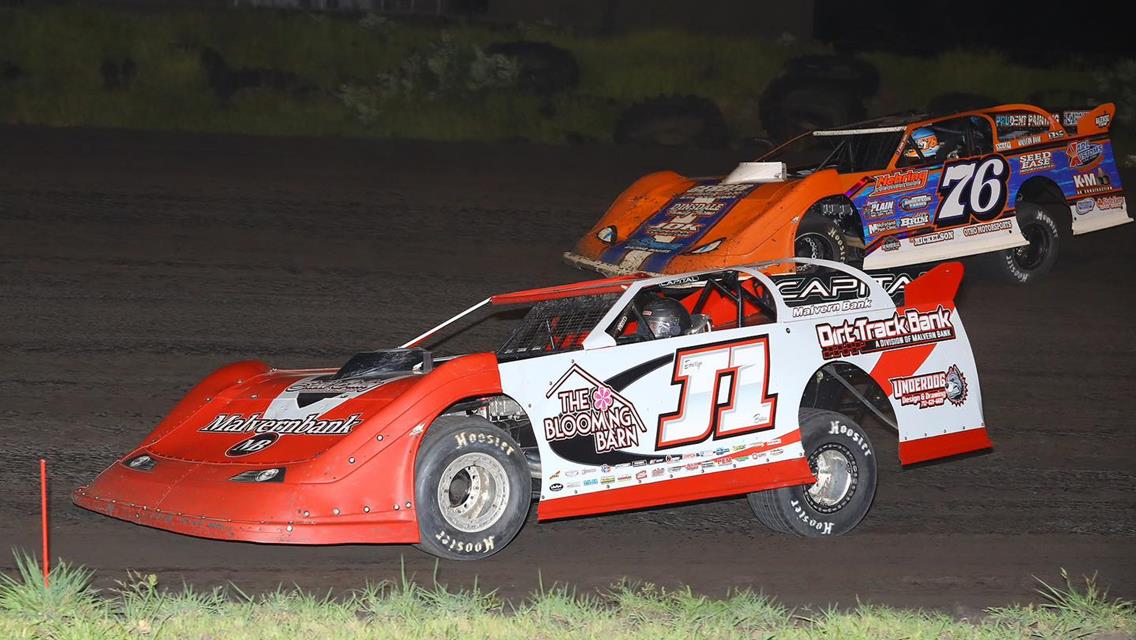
x: 599, y: 396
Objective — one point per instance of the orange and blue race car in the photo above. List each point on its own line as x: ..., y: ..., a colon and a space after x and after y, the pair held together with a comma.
x: 1010, y: 182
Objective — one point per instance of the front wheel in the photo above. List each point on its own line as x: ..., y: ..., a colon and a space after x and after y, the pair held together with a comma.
x: 473, y: 488
x: 820, y: 238
x: 1025, y: 264
x: 844, y: 463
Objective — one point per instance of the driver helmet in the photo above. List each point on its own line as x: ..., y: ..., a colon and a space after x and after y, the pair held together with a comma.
x: 926, y: 141
x: 666, y: 317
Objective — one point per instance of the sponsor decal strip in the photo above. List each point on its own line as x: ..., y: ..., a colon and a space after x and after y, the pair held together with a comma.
x: 1108, y: 203
x: 989, y: 227
x: 1036, y: 161
x: 893, y: 242
x: 308, y: 425
x: 908, y: 180
x: 783, y: 473
x: 596, y: 412
x: 1084, y: 153
x: 864, y: 335
x: 593, y: 423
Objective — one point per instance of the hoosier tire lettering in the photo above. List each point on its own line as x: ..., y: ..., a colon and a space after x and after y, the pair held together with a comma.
x: 464, y: 439
x: 822, y: 527
x: 837, y: 428
x: 484, y: 545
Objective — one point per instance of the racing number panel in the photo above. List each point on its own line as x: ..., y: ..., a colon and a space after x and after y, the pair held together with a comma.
x: 723, y: 393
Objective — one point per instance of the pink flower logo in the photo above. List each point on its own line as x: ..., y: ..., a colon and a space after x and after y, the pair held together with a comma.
x: 602, y: 398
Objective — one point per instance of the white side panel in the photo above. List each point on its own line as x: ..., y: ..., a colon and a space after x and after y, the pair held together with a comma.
x: 949, y: 243
x: 592, y: 392
x: 1094, y: 214
x: 943, y: 395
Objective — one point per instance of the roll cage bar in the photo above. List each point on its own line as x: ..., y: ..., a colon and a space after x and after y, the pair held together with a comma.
x: 729, y: 286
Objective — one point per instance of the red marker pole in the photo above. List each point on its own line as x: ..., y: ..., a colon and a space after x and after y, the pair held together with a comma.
x: 43, y: 511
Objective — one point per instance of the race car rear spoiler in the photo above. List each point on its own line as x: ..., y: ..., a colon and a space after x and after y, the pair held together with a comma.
x: 940, y: 284
x: 1085, y: 120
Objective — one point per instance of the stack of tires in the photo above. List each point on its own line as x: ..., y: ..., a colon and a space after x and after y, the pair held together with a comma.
x: 817, y: 92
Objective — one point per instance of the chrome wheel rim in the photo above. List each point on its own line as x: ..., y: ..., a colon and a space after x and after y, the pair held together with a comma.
x: 835, y: 470
x: 473, y: 492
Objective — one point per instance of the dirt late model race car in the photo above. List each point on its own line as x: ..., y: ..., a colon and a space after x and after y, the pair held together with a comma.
x: 599, y: 396
x: 1007, y: 182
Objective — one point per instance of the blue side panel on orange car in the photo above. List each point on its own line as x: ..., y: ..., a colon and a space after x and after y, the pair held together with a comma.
x: 1081, y: 168
x: 903, y: 201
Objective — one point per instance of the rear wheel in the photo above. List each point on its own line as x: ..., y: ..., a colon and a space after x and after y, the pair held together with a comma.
x: 844, y: 462
x: 472, y: 486
x: 1023, y: 265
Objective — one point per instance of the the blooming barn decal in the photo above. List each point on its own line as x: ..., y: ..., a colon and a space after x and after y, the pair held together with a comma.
x: 590, y: 408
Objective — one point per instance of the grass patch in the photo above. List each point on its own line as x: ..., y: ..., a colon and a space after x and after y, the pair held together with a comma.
x: 69, y: 595
x: 139, y: 607
x: 53, y: 62
x: 1072, y: 610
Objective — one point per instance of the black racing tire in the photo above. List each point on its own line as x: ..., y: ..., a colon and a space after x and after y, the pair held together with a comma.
x: 821, y: 238
x: 791, y: 105
x: 842, y: 497
x: 465, y: 453
x: 1024, y: 265
x: 673, y: 121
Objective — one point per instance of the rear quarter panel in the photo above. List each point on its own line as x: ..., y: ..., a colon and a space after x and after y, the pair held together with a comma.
x: 920, y: 356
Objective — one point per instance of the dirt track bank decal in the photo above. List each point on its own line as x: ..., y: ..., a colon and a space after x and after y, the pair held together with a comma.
x: 864, y: 335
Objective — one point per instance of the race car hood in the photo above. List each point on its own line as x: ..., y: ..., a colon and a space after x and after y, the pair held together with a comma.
x: 281, y: 417
x: 686, y: 218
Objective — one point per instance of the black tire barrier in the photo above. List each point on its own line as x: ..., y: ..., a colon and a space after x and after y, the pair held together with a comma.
x: 544, y: 69
x: 792, y: 105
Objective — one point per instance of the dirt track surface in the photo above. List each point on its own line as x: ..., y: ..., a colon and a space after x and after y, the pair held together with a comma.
x: 132, y: 264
